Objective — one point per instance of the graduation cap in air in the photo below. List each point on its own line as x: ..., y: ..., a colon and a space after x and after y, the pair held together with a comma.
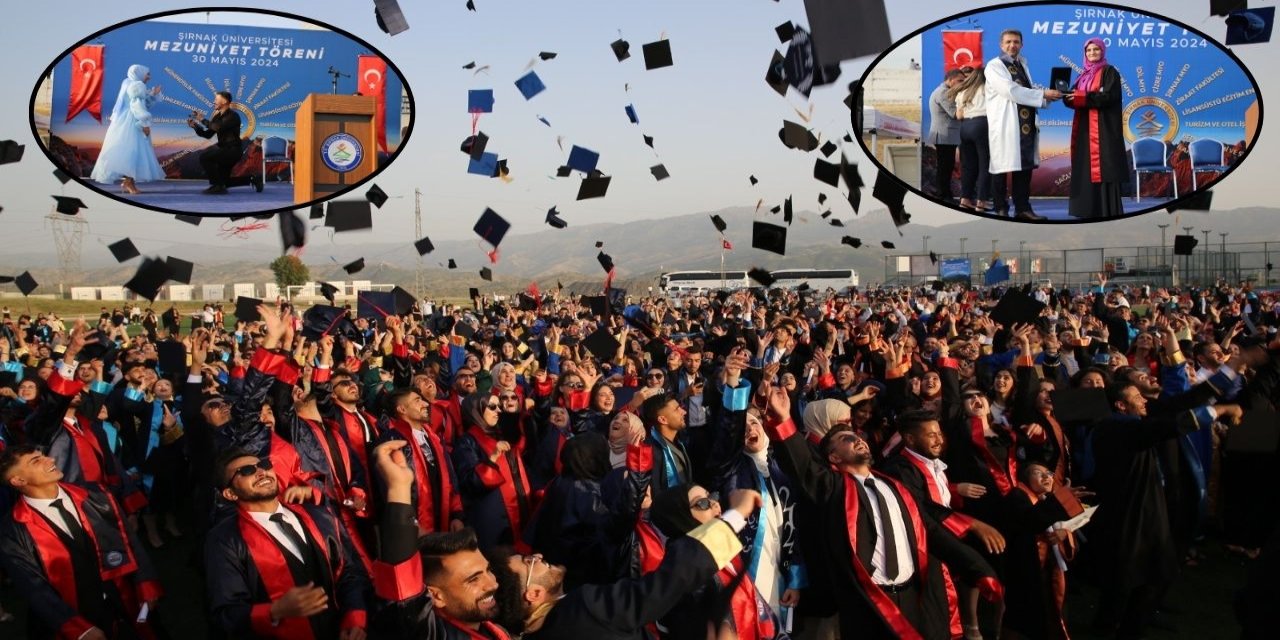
x: 598, y: 305
x: 389, y: 17
x: 856, y: 243
x: 828, y: 148
x: 1183, y: 245
x: 191, y: 220
x: 606, y: 261
x: 69, y: 205
x: 659, y: 172
x: 321, y: 320
x: 1016, y: 307
x: 602, y: 344
x: 328, y: 291
x: 469, y: 65
x: 474, y: 145
x: 486, y: 274
x: 631, y: 114
x: 718, y: 222
x: 486, y: 165
x: 11, y: 151
x: 317, y: 212
x: 547, y: 55
x: 835, y: 222
x: 563, y: 171
x: 787, y: 213
x: 785, y: 31
x: 453, y: 264
x: 1225, y: 7
x: 376, y: 196
x: 424, y: 246
x: 123, y: 250
x: 852, y: 180
x: 621, y: 49
x: 349, y: 215
x: 774, y: 76
x: 846, y: 30
x: 553, y: 218
x: 354, y: 267
x: 762, y: 276
x: 293, y: 230
x: 151, y: 275
x: 172, y: 356
x: 753, y: 180
x: 891, y: 192
x: 473, y: 293
x: 593, y: 187
x: 480, y: 101
x: 770, y: 237
x: 61, y: 175
x: 775, y: 210
x: 402, y: 300
x: 796, y: 136
x: 1251, y: 26
x: 822, y: 199
x: 179, y: 269
x: 1200, y: 200
x: 933, y: 257
x: 599, y: 244
x: 375, y: 305
x: 583, y: 159
x: 648, y: 140
x: 530, y: 85
x: 657, y: 55
x: 888, y: 245
x: 826, y: 172
x: 491, y: 227
x: 471, y: 5
x: 25, y: 283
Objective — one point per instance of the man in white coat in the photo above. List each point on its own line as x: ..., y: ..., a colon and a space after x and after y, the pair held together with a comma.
x: 1011, y: 119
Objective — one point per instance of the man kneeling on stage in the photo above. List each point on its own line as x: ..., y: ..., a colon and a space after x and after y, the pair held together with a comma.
x: 221, y: 158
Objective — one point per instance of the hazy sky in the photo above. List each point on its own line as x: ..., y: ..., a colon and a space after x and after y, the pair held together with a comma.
x: 713, y: 118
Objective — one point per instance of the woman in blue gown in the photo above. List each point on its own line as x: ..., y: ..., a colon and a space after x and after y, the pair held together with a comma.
x: 127, y: 154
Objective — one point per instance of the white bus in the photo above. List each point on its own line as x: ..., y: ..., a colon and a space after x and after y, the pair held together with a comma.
x: 701, y: 281
x: 818, y: 279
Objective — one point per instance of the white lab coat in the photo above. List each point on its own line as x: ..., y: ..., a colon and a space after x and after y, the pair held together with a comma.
x: 1003, y: 99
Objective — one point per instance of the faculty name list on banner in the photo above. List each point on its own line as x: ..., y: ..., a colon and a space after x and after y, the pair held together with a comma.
x: 1177, y: 86
x: 269, y: 71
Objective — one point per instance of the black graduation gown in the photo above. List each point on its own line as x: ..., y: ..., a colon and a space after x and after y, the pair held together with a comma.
x: 1099, y: 166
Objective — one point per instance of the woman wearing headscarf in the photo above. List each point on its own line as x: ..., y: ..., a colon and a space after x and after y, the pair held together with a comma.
x: 1098, y: 166
x: 495, y: 488
x: 127, y: 154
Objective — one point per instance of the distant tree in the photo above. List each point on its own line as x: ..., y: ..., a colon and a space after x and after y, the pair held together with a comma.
x: 290, y: 272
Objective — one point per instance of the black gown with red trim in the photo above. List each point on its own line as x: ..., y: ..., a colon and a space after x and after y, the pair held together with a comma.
x: 1099, y: 166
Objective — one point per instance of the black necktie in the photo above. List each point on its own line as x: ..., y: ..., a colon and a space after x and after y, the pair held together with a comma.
x: 886, y: 529
x: 292, y: 534
x: 73, y: 523
x: 335, y: 452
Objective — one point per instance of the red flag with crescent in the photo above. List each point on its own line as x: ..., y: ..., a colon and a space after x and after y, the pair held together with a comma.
x: 372, y: 78
x: 86, y: 82
x: 961, y: 49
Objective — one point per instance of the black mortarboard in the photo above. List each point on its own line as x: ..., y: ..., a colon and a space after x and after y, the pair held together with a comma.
x: 11, y: 152
x: 785, y: 31
x: 173, y: 356
x: 424, y: 246
x: 888, y: 245
x: 648, y: 140
x: 659, y: 172
x: 474, y: 145
x: 602, y: 344
x: 762, y: 276
x: 776, y: 210
x: 389, y: 18
x: 753, y: 180
x: 787, y: 213
x: 774, y: 75
x: 1225, y: 7
x: 770, y: 237
x: 846, y: 30
x: 852, y: 180
x: 796, y: 136
x: 563, y: 171
x: 69, y: 205
x: 1251, y: 26
x: 1195, y: 201
x: 25, y: 283
x: 150, y: 276
x: 473, y: 293
x: 599, y: 244
x: 1258, y: 432
x: 826, y: 214
x: 657, y: 54
x: 598, y: 305
x: 123, y: 250
x: 376, y: 195
x: 453, y: 264
x: 835, y: 222
x: 321, y: 320
x: 593, y: 187
x: 491, y: 227
x: 317, y: 212
x: 328, y: 291
x: 828, y: 148
x: 469, y: 65
x: 621, y: 49
x: 605, y: 260
x: 1183, y: 245
x: 179, y: 269
x: 822, y: 199
x: 403, y: 301
x: 191, y: 220
x: 61, y: 175
x: 718, y: 222
x: 486, y: 274
x: 856, y: 243
x: 1080, y: 405
x: 354, y: 267
x: 247, y: 309
x: 375, y: 305
x: 547, y: 55
x: 293, y: 230
x: 471, y: 5
x: 1016, y: 307
x: 891, y: 192
x: 826, y: 172
x: 349, y: 215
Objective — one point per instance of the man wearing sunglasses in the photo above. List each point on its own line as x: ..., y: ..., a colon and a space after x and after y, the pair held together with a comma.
x: 280, y: 571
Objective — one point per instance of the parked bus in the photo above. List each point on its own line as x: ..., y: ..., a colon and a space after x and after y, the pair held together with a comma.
x: 700, y: 281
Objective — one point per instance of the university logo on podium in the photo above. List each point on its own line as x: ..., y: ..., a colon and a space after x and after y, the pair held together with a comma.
x: 341, y: 152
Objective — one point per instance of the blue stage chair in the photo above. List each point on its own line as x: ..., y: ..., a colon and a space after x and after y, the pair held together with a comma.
x: 1152, y: 156
x: 1206, y: 155
x: 276, y: 149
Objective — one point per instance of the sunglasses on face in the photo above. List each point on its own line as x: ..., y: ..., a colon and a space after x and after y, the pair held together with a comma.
x: 247, y: 471
x: 704, y: 503
x: 344, y: 383
x: 508, y: 396
x: 656, y: 375
x: 215, y: 405
x: 493, y: 406
x: 575, y: 385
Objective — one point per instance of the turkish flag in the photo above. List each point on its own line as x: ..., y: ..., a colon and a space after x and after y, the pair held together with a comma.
x: 86, y: 82
x: 728, y: 246
x: 372, y: 82
x: 961, y: 49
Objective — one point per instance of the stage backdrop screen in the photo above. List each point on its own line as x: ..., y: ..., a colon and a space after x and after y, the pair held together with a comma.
x: 268, y: 70
x: 1177, y: 86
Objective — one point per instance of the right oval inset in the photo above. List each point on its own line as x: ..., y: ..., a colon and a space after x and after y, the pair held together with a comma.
x: 1061, y: 112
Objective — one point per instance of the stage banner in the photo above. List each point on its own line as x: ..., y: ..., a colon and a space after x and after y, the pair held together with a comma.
x: 372, y: 77
x: 1177, y: 87
x: 954, y: 268
x: 269, y: 72
x: 85, y: 82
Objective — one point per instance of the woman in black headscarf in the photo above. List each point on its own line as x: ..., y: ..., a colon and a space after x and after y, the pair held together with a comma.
x: 491, y: 476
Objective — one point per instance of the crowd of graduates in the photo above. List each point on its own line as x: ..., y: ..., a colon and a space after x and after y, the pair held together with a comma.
x: 937, y: 462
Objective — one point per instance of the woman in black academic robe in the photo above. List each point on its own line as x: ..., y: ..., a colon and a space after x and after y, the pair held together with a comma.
x: 1099, y: 166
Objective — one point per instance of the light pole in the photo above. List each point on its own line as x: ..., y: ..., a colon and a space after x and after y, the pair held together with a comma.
x: 1162, y: 242
x: 1222, y: 255
x: 926, y: 243
x: 962, y: 245
x: 1186, y: 260
x: 1207, y: 250
x: 1022, y: 259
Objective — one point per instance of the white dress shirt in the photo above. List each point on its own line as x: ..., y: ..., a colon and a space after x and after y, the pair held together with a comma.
x: 938, y: 469
x: 906, y: 562
x: 46, y: 509
x: 276, y: 532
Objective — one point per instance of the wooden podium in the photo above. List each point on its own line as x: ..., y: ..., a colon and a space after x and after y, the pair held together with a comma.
x: 336, y: 145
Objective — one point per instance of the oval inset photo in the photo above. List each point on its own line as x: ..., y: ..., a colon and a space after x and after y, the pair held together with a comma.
x: 1059, y: 112
x: 222, y: 113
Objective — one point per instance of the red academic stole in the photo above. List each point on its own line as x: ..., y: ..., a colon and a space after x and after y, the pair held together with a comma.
x: 1002, y: 473
x: 957, y: 524
x: 354, y: 431
x: 1095, y: 146
x: 341, y: 488
x: 275, y: 575
x: 372, y: 72
x: 89, y: 452
x: 1064, y: 449
x: 504, y: 479
x: 888, y: 611
x: 86, y: 82
x: 749, y: 620
x: 490, y: 630
x: 431, y: 516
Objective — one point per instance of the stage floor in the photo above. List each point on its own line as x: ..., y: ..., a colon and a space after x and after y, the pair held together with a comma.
x: 184, y: 196
x: 1055, y: 209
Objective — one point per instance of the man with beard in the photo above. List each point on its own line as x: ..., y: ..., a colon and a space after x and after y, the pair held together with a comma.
x: 280, y: 571
x: 341, y: 406
x: 464, y: 384
x: 435, y: 498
